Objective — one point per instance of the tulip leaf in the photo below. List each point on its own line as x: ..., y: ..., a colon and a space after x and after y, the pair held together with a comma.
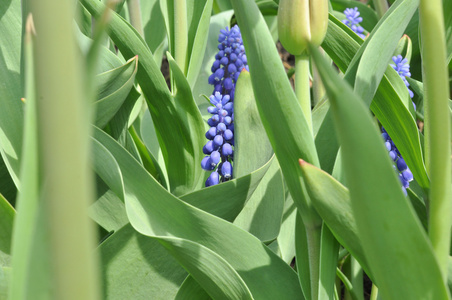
x: 156, y: 213
x: 383, y: 215
x: 134, y: 266
x: 113, y: 88
x: 11, y: 112
x: 7, y: 214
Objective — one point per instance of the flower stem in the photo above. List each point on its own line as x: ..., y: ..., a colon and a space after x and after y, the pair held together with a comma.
x: 180, y: 34
x: 63, y: 130
x: 135, y: 15
x: 381, y: 6
x: 374, y: 292
x: 437, y: 128
x: 302, y: 89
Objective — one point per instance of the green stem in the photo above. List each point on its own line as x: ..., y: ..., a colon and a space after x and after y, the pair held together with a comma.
x: 63, y: 130
x: 381, y: 6
x: 135, y: 15
x: 318, y: 90
x: 302, y: 89
x: 180, y: 34
x: 314, y: 237
x: 437, y: 128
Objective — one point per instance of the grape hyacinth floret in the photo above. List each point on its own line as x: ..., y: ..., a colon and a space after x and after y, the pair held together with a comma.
x: 403, y: 68
x: 229, y: 62
x: 352, y: 20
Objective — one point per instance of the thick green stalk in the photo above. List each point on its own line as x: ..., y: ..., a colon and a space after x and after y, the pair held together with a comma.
x: 135, y: 15
x: 437, y: 127
x: 180, y: 34
x: 302, y: 89
x: 374, y: 292
x: 318, y: 90
x: 314, y: 238
x: 381, y: 6
x: 63, y: 130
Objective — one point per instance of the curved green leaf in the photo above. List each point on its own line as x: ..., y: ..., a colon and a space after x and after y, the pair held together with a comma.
x: 383, y: 215
x: 11, y: 112
x: 191, y: 290
x: 7, y: 214
x: 113, y: 88
x: 134, y: 266
x: 155, y: 212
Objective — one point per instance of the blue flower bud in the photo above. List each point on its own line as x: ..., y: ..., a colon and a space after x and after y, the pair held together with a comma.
x: 215, y: 157
x: 213, y: 179
x: 206, y: 164
x: 226, y: 150
x: 226, y: 170
x: 211, y: 133
x: 407, y: 175
x: 228, y: 135
x: 208, y: 147
x: 218, y: 140
x: 221, y: 127
x: 401, y: 164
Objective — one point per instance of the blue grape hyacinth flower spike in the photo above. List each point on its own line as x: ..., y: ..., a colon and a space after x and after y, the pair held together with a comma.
x: 229, y: 62
x: 352, y: 20
x: 403, y: 68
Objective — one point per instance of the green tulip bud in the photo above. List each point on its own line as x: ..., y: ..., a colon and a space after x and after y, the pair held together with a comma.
x: 301, y: 22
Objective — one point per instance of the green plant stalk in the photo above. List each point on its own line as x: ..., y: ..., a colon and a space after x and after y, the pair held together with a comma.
x: 347, y: 284
x: 437, y: 128
x: 180, y: 34
x: 314, y: 238
x: 381, y: 6
x: 318, y: 90
x: 63, y: 131
x: 135, y: 15
x: 27, y: 202
x: 302, y: 89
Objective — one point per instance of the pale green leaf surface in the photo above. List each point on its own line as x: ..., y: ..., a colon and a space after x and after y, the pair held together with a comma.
x: 155, y: 212
x: 153, y: 27
x: 382, y: 213
x: 328, y: 262
x: 5, y: 279
x: 227, y: 200
x: 7, y: 214
x: 134, y: 266
x: 262, y: 214
x: 11, y: 112
x: 286, y: 237
x: 113, y: 88
x: 191, y: 290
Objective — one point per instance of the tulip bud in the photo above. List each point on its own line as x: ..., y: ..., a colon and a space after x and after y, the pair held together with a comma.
x: 301, y: 22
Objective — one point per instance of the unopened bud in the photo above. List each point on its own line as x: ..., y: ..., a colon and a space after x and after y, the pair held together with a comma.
x: 301, y: 22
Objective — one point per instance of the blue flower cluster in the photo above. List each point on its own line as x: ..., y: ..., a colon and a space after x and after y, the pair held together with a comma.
x: 229, y: 62
x: 352, y: 20
x: 403, y: 68
x: 404, y: 172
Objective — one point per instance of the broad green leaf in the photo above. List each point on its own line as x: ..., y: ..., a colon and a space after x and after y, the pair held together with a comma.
x: 11, y: 112
x: 262, y: 214
x: 134, y: 266
x: 280, y: 112
x: 113, y: 88
x: 370, y: 18
x: 153, y: 28
x: 328, y: 262
x: 5, y: 279
x: 227, y: 200
x: 7, y: 214
x: 383, y: 215
x: 191, y: 290
x: 286, y: 237
x: 388, y: 104
x: 109, y: 210
x: 156, y: 213
x: 178, y: 127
